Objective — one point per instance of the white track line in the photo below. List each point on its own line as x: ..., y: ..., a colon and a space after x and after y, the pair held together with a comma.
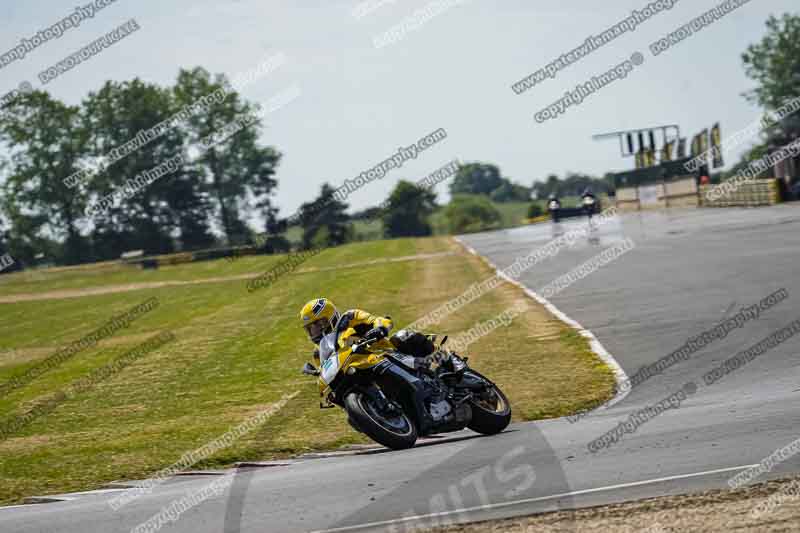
x: 57, y: 498
x: 533, y: 500
x: 621, y: 378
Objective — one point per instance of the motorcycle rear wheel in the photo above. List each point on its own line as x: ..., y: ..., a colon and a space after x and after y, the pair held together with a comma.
x: 398, y: 433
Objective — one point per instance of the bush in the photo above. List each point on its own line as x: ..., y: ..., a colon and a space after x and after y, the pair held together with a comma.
x: 466, y: 214
x: 535, y: 210
x: 408, y: 211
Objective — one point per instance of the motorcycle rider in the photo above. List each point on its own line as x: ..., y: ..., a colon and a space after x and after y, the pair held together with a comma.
x: 589, y: 202
x: 320, y: 318
x: 554, y: 205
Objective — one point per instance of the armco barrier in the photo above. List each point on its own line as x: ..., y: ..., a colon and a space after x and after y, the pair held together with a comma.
x: 156, y: 261
x: 574, y: 212
x: 175, y: 259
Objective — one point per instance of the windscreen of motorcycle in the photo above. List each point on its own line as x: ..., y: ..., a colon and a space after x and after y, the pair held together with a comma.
x: 328, y: 357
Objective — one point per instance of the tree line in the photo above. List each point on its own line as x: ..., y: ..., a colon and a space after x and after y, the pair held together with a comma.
x: 200, y: 204
x: 206, y: 200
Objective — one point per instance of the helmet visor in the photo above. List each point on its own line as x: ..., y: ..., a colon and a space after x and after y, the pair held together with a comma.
x: 315, y: 330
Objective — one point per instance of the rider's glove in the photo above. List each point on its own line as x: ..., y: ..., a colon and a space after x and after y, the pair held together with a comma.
x: 376, y: 333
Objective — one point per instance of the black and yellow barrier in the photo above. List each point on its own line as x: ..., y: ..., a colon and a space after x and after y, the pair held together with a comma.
x: 758, y: 193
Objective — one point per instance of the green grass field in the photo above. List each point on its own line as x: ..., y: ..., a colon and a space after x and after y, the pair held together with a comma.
x: 236, y: 353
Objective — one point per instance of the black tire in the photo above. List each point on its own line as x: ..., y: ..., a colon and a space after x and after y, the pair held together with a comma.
x: 378, y: 428
x: 485, y: 420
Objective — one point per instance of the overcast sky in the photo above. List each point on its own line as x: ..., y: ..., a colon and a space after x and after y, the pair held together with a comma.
x: 359, y: 103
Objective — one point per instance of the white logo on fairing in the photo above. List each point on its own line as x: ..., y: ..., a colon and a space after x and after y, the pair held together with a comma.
x: 330, y: 368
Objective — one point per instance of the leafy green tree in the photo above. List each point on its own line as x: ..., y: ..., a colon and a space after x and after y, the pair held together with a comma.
x: 476, y: 178
x: 543, y: 189
x: 191, y: 212
x: 510, y: 192
x: 7, y: 247
x: 774, y: 64
x: 370, y: 213
x: 324, y: 220
x: 274, y: 238
x: 572, y: 185
x: 470, y: 213
x: 48, y: 141
x: 237, y: 173
x: 45, y: 140
x: 113, y: 116
x: 407, y: 212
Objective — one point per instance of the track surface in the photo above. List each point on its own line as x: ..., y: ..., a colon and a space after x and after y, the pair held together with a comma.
x: 688, y: 271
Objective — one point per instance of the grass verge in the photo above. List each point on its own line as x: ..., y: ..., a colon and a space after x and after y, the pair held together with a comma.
x: 236, y: 353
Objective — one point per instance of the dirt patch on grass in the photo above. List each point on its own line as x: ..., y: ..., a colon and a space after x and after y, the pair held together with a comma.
x: 25, y: 443
x: 417, y: 257
x: 718, y: 511
x: 111, y: 289
x: 32, y: 353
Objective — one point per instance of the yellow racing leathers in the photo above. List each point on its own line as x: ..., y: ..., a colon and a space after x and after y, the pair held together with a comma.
x: 354, y: 325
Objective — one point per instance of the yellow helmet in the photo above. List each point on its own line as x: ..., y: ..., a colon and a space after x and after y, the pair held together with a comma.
x: 319, y: 317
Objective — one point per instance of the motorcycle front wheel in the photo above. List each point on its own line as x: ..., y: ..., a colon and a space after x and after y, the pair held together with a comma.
x: 491, y: 411
x: 395, y: 432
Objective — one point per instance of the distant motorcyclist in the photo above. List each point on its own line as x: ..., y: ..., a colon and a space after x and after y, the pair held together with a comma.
x: 589, y: 202
x: 554, y: 207
x: 320, y: 318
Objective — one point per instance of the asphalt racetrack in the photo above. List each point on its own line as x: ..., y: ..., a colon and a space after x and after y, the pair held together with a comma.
x: 689, y: 270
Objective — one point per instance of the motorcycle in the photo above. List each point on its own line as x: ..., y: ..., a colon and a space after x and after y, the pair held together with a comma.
x: 554, y: 207
x: 589, y: 206
x: 415, y: 389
